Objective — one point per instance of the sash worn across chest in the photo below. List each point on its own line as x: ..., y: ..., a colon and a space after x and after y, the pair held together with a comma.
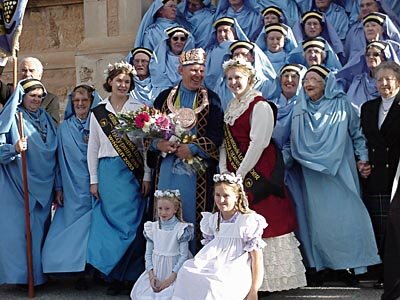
x: 125, y: 148
x: 254, y: 181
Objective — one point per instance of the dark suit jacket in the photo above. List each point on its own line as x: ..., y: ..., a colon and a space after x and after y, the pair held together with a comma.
x: 383, y: 145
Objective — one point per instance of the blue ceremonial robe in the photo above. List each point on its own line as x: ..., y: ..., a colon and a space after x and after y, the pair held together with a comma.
x: 356, y: 67
x: 164, y: 65
x: 277, y: 59
x: 248, y: 17
x: 144, y: 91
x: 41, y: 168
x: 387, y: 7
x: 289, y: 8
x: 217, y: 54
x: 356, y: 42
x: 332, y: 61
x: 326, y: 137
x: 199, y: 23
x: 172, y: 174
x: 151, y: 29
x: 337, y: 16
x: 66, y: 243
x: 362, y: 89
x: 293, y: 174
x: 328, y: 33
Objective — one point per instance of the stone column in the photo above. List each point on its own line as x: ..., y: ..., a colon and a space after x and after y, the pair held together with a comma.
x: 110, y: 28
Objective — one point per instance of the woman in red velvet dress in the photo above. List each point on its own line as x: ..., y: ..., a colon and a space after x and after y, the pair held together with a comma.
x: 249, y: 151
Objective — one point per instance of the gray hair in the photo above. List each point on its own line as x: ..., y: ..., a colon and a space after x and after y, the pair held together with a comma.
x: 389, y: 65
x: 35, y: 61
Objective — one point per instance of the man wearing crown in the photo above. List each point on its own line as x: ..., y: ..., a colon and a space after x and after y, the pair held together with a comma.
x: 198, y: 110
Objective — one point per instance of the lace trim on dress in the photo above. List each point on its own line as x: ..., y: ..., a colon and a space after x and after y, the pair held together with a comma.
x: 239, y: 105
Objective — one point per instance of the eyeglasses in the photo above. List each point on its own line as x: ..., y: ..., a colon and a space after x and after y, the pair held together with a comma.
x: 311, y: 80
x: 380, y: 80
x: 373, y: 54
x: 177, y: 38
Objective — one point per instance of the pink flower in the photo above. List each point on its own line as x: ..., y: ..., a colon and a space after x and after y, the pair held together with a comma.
x: 163, y: 122
x: 141, y: 118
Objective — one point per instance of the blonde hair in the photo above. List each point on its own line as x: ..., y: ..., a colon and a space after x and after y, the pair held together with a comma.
x: 177, y: 203
x: 242, y: 65
x: 241, y: 203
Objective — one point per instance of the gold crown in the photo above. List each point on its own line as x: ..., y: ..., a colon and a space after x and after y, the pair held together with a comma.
x: 193, y: 56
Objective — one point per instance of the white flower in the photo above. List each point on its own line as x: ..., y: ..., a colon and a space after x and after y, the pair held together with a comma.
x: 119, y: 65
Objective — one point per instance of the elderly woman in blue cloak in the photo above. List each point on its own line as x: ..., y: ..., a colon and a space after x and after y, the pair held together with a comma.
x: 314, y: 24
x: 165, y: 60
x: 225, y: 31
x: 289, y: 8
x: 315, y: 51
x: 358, y: 75
x: 143, y: 90
x: 69, y: 229
x: 160, y: 15
x: 289, y: 83
x: 334, y: 11
x: 245, y: 12
x: 274, y: 41
x: 326, y: 140
x: 197, y: 16
x: 375, y: 26
x: 40, y: 145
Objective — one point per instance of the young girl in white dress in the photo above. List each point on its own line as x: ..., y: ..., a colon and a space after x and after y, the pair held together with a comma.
x: 230, y: 265
x: 167, y: 248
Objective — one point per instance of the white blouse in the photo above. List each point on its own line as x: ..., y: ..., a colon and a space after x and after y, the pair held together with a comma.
x: 261, y: 127
x: 100, y: 146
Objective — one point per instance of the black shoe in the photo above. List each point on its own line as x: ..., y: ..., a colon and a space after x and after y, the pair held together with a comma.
x: 348, y: 278
x: 379, y: 285
x: 115, y: 288
x: 314, y: 278
x: 81, y: 284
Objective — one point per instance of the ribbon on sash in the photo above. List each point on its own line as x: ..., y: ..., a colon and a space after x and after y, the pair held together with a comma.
x: 254, y: 181
x: 125, y: 148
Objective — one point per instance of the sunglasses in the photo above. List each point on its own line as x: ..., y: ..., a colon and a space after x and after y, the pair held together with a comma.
x: 177, y: 38
x: 373, y: 54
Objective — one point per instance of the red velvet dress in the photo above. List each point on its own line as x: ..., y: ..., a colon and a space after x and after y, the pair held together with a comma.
x: 279, y: 212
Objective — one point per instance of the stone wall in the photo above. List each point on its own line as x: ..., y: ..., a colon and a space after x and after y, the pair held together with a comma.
x: 52, y: 31
x: 76, y: 39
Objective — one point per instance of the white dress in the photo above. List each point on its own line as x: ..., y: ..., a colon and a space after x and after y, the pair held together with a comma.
x: 165, y: 255
x: 221, y: 270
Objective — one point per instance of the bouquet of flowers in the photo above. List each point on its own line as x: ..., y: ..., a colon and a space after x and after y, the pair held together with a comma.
x: 151, y: 123
x: 146, y: 122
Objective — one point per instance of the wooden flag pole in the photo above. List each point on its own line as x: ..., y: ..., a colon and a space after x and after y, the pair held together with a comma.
x: 31, y: 288
x: 15, y: 69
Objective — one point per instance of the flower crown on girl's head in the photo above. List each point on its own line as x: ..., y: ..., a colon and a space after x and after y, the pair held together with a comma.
x: 167, y: 194
x: 119, y: 65
x: 228, y: 177
x: 238, y: 62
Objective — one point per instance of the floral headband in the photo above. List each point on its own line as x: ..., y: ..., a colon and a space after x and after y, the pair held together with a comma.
x: 238, y: 62
x: 167, y: 194
x: 119, y: 65
x: 228, y: 177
